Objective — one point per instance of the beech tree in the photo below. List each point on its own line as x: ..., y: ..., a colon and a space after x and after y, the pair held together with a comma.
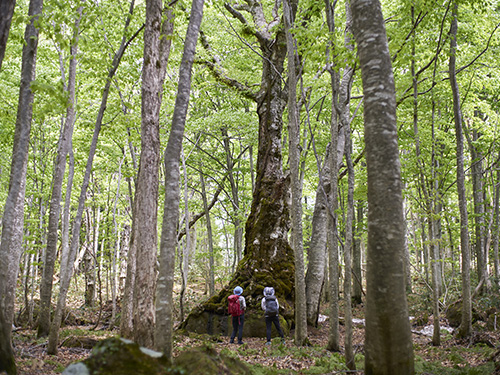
x: 164, y: 299
x: 388, y: 342
x: 13, y: 215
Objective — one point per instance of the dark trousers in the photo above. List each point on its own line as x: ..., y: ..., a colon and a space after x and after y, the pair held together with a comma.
x: 238, y: 327
x: 269, y: 321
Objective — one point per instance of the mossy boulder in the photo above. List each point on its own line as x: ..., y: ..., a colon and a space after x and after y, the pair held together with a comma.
x: 124, y: 357
x: 206, y: 361
x: 119, y: 356
x: 454, y: 314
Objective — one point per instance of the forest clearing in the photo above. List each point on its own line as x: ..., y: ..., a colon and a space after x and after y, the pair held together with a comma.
x: 329, y: 169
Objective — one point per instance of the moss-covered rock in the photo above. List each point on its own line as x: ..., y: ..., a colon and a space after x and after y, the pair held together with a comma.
x: 206, y: 361
x: 118, y: 356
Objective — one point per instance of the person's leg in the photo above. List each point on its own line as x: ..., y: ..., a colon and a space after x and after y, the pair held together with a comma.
x: 240, y: 328
x: 269, y: 322
x: 235, y: 328
x: 278, y: 326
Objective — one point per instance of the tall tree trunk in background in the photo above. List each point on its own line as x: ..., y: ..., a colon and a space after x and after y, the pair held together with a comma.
x: 388, y: 343
x: 466, y: 323
x: 6, y: 13
x: 238, y: 230
x: 164, y: 299
x: 496, y: 226
x: 315, y: 275
x: 184, y: 254
x: 145, y: 232
x: 477, y: 172
x: 357, y: 288
x: 64, y: 145
x: 55, y: 203
x: 13, y: 215
x: 210, y: 242
x: 335, y: 158
x: 348, y: 250
x: 294, y: 154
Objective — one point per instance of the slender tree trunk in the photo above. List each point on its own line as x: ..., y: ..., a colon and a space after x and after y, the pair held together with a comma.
x: 388, y: 343
x: 466, y: 323
x: 348, y: 250
x: 184, y: 261
x: 356, y: 257
x: 315, y: 276
x: 210, y: 243
x: 55, y: 203
x: 496, y: 226
x: 333, y: 252
x: 13, y: 214
x: 57, y: 186
x: 164, y: 300
x: 479, y: 213
x: 238, y: 230
x: 296, y: 207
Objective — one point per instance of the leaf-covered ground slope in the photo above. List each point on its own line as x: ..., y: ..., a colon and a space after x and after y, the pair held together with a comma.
x: 453, y: 357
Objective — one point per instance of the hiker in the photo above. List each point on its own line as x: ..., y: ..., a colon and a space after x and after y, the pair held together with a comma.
x: 271, y: 307
x: 237, y: 306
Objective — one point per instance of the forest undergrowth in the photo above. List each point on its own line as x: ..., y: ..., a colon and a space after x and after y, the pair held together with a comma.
x: 473, y: 356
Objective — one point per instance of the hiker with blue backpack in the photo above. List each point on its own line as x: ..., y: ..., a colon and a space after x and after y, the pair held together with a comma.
x: 236, y: 307
x: 271, y: 307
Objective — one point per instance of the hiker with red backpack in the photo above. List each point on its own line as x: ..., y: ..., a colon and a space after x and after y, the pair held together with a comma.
x: 237, y: 306
x: 271, y: 307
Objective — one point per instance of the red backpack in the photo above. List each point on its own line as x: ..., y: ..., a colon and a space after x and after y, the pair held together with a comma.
x: 234, y: 305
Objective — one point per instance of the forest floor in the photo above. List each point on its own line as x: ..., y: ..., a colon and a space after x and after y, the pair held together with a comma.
x: 452, y: 357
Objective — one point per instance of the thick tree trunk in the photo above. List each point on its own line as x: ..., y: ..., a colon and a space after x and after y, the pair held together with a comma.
x: 388, y: 343
x: 465, y: 328
x: 164, y: 299
x: 13, y: 215
x: 268, y: 258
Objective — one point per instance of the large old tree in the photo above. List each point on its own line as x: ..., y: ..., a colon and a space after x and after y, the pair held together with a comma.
x: 268, y: 258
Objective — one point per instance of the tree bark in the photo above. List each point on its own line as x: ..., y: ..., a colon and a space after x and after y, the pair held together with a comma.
x: 315, y: 275
x: 13, y: 215
x: 295, y: 182
x: 164, y: 299
x: 210, y: 243
x: 465, y: 328
x: 6, y: 13
x: 333, y: 251
x: 388, y: 343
